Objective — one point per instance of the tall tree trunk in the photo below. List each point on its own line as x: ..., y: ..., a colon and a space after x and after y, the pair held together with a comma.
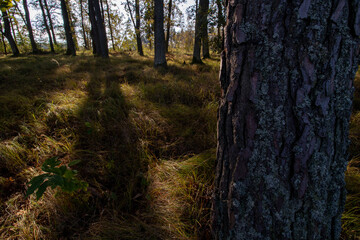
x: 12, y: 27
x: 287, y: 83
x: 220, y: 23
x: 50, y: 21
x: 3, y: 40
x: 159, y: 59
x: 136, y: 24
x: 137, y: 28
x: 72, y: 24
x: 29, y: 27
x: 197, y: 39
x: 168, y: 26
x: 46, y: 26
x: 7, y: 34
x: 98, y: 29
x: 204, y: 12
x: 102, y: 11
x: 109, y: 23
x: 86, y: 45
x: 68, y: 33
x: 94, y: 32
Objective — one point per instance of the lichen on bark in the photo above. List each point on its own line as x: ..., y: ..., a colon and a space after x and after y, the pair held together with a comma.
x: 286, y: 77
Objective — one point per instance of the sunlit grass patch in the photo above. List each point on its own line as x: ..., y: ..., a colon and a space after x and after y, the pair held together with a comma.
x: 181, y: 191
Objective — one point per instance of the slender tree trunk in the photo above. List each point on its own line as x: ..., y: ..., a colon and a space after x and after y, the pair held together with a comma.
x: 86, y: 45
x: 159, y: 59
x: 12, y: 27
x: 204, y: 11
x: 50, y: 21
x: 3, y: 41
x: 136, y: 25
x: 102, y: 11
x: 287, y: 84
x: 197, y: 39
x: 29, y: 27
x: 46, y: 26
x: 168, y: 26
x: 94, y: 32
x: 137, y: 28
x: 98, y: 29
x: 68, y: 33
x: 7, y: 34
x: 72, y: 24
x: 109, y: 23
x: 220, y: 23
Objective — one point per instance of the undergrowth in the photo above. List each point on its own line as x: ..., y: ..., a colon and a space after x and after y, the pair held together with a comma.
x: 140, y: 135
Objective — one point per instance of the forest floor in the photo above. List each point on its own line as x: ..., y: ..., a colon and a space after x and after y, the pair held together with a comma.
x: 146, y: 140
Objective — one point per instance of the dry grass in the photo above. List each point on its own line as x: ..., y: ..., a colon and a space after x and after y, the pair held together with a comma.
x: 119, y: 119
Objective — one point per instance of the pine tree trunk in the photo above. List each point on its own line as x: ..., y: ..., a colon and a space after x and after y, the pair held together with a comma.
x: 94, y: 32
x: 287, y: 83
x: 197, y: 39
x: 220, y: 20
x: 160, y: 59
x: 168, y: 26
x: 29, y: 27
x: 137, y: 28
x: 7, y: 34
x: 50, y: 22
x: 109, y: 23
x: 86, y: 45
x: 46, y: 26
x: 100, y: 45
x: 68, y: 33
x: 204, y: 10
x: 72, y: 23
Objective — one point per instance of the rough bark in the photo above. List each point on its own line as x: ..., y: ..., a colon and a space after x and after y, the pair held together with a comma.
x: 29, y: 27
x: 94, y: 34
x: 68, y: 33
x: 287, y: 83
x: 50, y: 22
x: 8, y: 35
x: 197, y: 39
x: 46, y: 26
x: 159, y: 59
x: 168, y: 26
x: 109, y: 23
x: 204, y: 12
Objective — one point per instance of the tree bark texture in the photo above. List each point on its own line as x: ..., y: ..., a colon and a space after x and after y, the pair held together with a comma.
x: 287, y: 83
x: 68, y: 33
x: 204, y: 11
x: 50, y: 21
x: 159, y: 59
x: 168, y: 26
x: 29, y: 27
x: 47, y: 26
x: 8, y: 35
x: 197, y: 38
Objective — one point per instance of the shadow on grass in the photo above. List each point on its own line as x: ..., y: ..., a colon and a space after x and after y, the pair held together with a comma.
x: 108, y: 148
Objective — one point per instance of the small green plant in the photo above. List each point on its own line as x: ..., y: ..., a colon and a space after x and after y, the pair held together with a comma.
x: 62, y: 176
